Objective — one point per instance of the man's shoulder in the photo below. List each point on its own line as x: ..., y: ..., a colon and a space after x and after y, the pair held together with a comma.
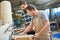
x: 40, y: 12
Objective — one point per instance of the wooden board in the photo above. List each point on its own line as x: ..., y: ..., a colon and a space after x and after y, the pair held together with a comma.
x: 23, y: 37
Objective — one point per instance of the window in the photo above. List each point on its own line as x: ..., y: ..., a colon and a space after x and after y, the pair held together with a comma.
x: 55, y: 11
x: 47, y: 12
x: 58, y: 9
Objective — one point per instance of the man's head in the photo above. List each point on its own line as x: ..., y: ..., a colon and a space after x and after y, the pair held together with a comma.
x: 23, y: 4
x: 31, y: 9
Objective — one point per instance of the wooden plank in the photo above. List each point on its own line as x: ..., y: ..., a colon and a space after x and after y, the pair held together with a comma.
x: 22, y: 37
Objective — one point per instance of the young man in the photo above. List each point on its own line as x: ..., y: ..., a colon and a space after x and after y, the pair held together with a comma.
x: 25, y: 16
x: 40, y: 22
x: 27, y: 19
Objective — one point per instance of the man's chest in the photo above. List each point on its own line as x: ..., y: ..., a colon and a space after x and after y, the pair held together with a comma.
x: 38, y: 24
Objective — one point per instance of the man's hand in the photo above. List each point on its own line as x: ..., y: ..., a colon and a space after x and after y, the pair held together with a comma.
x: 21, y: 33
x: 37, y: 35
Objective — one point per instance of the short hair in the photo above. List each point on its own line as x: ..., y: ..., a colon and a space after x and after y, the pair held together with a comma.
x: 30, y: 7
x: 22, y: 2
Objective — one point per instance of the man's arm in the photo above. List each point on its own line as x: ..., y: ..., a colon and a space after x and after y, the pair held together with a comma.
x: 44, y: 29
x: 29, y: 28
x: 46, y: 23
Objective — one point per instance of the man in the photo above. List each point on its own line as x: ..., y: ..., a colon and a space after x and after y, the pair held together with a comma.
x: 40, y: 22
x: 25, y: 16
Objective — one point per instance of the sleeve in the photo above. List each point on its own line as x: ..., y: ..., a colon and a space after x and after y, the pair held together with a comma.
x: 44, y: 16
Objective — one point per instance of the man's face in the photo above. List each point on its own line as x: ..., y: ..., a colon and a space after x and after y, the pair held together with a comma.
x: 31, y: 12
x: 23, y: 7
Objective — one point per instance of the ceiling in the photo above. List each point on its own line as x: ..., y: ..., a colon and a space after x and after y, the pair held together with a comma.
x: 33, y: 1
x: 40, y: 4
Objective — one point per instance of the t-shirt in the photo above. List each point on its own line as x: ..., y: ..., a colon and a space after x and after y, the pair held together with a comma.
x: 26, y: 18
x: 38, y: 21
x: 42, y: 15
